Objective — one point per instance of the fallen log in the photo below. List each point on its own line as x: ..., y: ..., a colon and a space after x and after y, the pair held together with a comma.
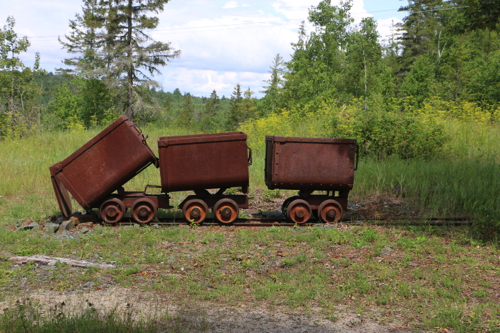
x: 51, y: 261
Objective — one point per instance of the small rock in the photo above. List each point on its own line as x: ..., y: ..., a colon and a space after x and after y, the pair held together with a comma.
x: 116, y: 255
x: 386, y: 250
x: 66, y: 225
x: 84, y: 230
x: 89, y: 284
x: 51, y: 227
x: 83, y: 219
x: 30, y: 226
x: 62, y: 233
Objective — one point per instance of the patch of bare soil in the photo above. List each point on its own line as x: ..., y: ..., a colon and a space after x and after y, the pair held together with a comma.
x: 217, y: 319
x: 264, y: 204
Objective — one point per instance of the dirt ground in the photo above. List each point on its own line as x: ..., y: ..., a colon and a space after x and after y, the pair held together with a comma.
x: 222, y: 319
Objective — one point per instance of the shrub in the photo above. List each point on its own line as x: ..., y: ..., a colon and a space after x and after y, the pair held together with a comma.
x: 389, y: 133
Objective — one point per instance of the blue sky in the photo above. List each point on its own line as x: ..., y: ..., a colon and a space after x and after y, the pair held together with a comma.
x: 222, y: 42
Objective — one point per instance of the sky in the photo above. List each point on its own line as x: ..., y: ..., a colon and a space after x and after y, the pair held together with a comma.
x: 222, y: 42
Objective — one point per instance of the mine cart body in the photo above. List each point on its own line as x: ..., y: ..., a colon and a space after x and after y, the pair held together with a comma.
x: 308, y: 165
x: 101, y: 166
x: 204, y: 161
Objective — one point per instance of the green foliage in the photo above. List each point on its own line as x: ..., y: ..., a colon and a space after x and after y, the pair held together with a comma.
x: 380, y: 130
x: 212, y: 110
x: 418, y: 82
x: 111, y: 42
x: 386, y: 132
x: 186, y: 115
x: 82, y: 103
x: 19, y: 110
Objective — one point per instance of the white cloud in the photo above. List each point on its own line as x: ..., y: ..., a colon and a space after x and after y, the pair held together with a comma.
x: 203, y: 82
x: 218, y: 50
x: 385, y: 28
x: 230, y: 4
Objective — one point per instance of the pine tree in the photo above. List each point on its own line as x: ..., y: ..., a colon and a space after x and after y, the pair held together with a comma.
x: 423, y: 30
x: 269, y: 103
x: 111, y: 42
x: 136, y: 55
x: 186, y: 115
x: 85, y: 39
x: 235, y: 109
x: 248, y: 106
x: 211, y: 112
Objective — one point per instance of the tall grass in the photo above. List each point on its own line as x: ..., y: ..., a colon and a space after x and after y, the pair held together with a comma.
x: 463, y: 181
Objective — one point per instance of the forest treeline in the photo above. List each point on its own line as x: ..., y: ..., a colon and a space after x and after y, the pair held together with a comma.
x: 443, y: 61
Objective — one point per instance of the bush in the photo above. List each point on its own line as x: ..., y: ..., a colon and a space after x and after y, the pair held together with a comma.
x: 383, y: 134
x: 380, y: 131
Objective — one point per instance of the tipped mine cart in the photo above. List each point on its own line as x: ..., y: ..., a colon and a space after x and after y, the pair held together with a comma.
x: 95, y: 174
x: 202, y: 162
x: 309, y: 165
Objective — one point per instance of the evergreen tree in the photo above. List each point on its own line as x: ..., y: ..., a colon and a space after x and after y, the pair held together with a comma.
x: 235, y: 116
x: 479, y: 14
x: 85, y: 39
x: 211, y: 112
x: 418, y: 83
x: 111, y: 41
x: 423, y: 30
x: 136, y: 55
x: 269, y: 103
x: 186, y: 115
x: 248, y: 106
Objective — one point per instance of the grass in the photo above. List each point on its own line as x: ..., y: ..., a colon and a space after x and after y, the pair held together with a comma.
x: 28, y: 316
x: 430, y: 277
x: 465, y: 182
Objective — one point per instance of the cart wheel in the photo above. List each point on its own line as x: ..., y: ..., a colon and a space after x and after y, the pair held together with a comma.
x: 330, y: 211
x: 143, y: 210
x: 195, y: 210
x: 112, y: 210
x: 299, y: 211
x: 226, y: 210
x: 286, y: 203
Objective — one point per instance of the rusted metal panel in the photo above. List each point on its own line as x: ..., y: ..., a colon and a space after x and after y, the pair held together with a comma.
x: 204, y: 161
x: 101, y: 166
x: 309, y: 163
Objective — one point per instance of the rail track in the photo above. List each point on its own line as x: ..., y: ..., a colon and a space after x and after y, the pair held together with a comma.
x: 282, y: 222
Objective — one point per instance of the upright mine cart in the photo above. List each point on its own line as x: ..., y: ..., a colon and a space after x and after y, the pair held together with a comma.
x: 95, y: 174
x: 202, y: 162
x: 308, y: 165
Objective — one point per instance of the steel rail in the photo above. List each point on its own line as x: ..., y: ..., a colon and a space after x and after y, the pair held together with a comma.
x: 281, y: 222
